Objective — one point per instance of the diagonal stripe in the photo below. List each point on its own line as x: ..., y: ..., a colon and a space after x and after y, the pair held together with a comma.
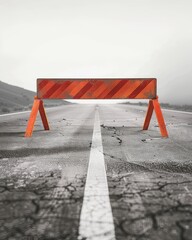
x: 83, y: 91
x: 108, y: 86
x: 99, y: 90
x: 64, y: 89
x: 91, y: 93
x: 139, y: 88
x: 123, y: 91
x: 51, y: 90
x: 115, y: 89
x: 79, y: 85
x: 67, y: 93
x: 41, y: 84
x: 46, y: 88
x: 149, y: 91
x: 57, y: 93
x: 129, y: 88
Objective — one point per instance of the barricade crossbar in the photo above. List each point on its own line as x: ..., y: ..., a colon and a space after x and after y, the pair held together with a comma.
x: 126, y: 88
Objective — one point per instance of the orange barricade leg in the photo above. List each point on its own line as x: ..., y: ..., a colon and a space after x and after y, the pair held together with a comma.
x: 43, y: 116
x: 160, y: 118
x: 37, y: 105
x: 148, y: 115
x: 154, y: 104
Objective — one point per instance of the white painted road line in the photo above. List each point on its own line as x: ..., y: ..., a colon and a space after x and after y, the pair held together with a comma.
x: 15, y: 113
x: 177, y: 111
x: 96, y: 220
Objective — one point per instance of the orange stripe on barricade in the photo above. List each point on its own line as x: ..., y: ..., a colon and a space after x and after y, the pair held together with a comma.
x: 139, y: 89
x: 109, y: 86
x: 147, y: 92
x: 46, y: 88
x: 97, y: 91
x: 60, y: 90
x: 78, y: 87
x: 66, y: 93
x: 115, y: 89
x: 128, y: 89
x: 54, y: 87
x: 92, y: 90
x: 112, y: 88
x: 83, y: 90
x: 121, y: 91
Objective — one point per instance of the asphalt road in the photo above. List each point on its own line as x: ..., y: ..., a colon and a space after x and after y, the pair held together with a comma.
x: 43, y: 178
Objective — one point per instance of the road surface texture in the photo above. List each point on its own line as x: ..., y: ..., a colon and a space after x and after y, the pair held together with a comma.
x: 96, y: 162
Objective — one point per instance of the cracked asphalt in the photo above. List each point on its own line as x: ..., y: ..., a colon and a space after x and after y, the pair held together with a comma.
x: 42, y: 178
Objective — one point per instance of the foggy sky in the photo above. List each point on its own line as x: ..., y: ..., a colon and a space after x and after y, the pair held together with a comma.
x: 98, y: 38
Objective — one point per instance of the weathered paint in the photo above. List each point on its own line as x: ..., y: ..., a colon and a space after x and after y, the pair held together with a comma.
x: 127, y: 88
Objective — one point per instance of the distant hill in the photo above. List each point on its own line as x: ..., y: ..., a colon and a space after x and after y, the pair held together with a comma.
x: 13, y: 99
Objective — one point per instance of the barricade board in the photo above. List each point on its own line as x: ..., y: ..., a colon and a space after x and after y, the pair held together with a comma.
x: 127, y: 88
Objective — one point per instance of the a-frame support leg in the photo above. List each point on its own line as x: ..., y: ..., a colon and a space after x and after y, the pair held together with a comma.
x: 43, y: 115
x: 154, y: 105
x: 148, y: 115
x: 37, y: 106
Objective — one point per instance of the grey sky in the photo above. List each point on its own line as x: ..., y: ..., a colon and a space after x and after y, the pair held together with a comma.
x: 100, y: 38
